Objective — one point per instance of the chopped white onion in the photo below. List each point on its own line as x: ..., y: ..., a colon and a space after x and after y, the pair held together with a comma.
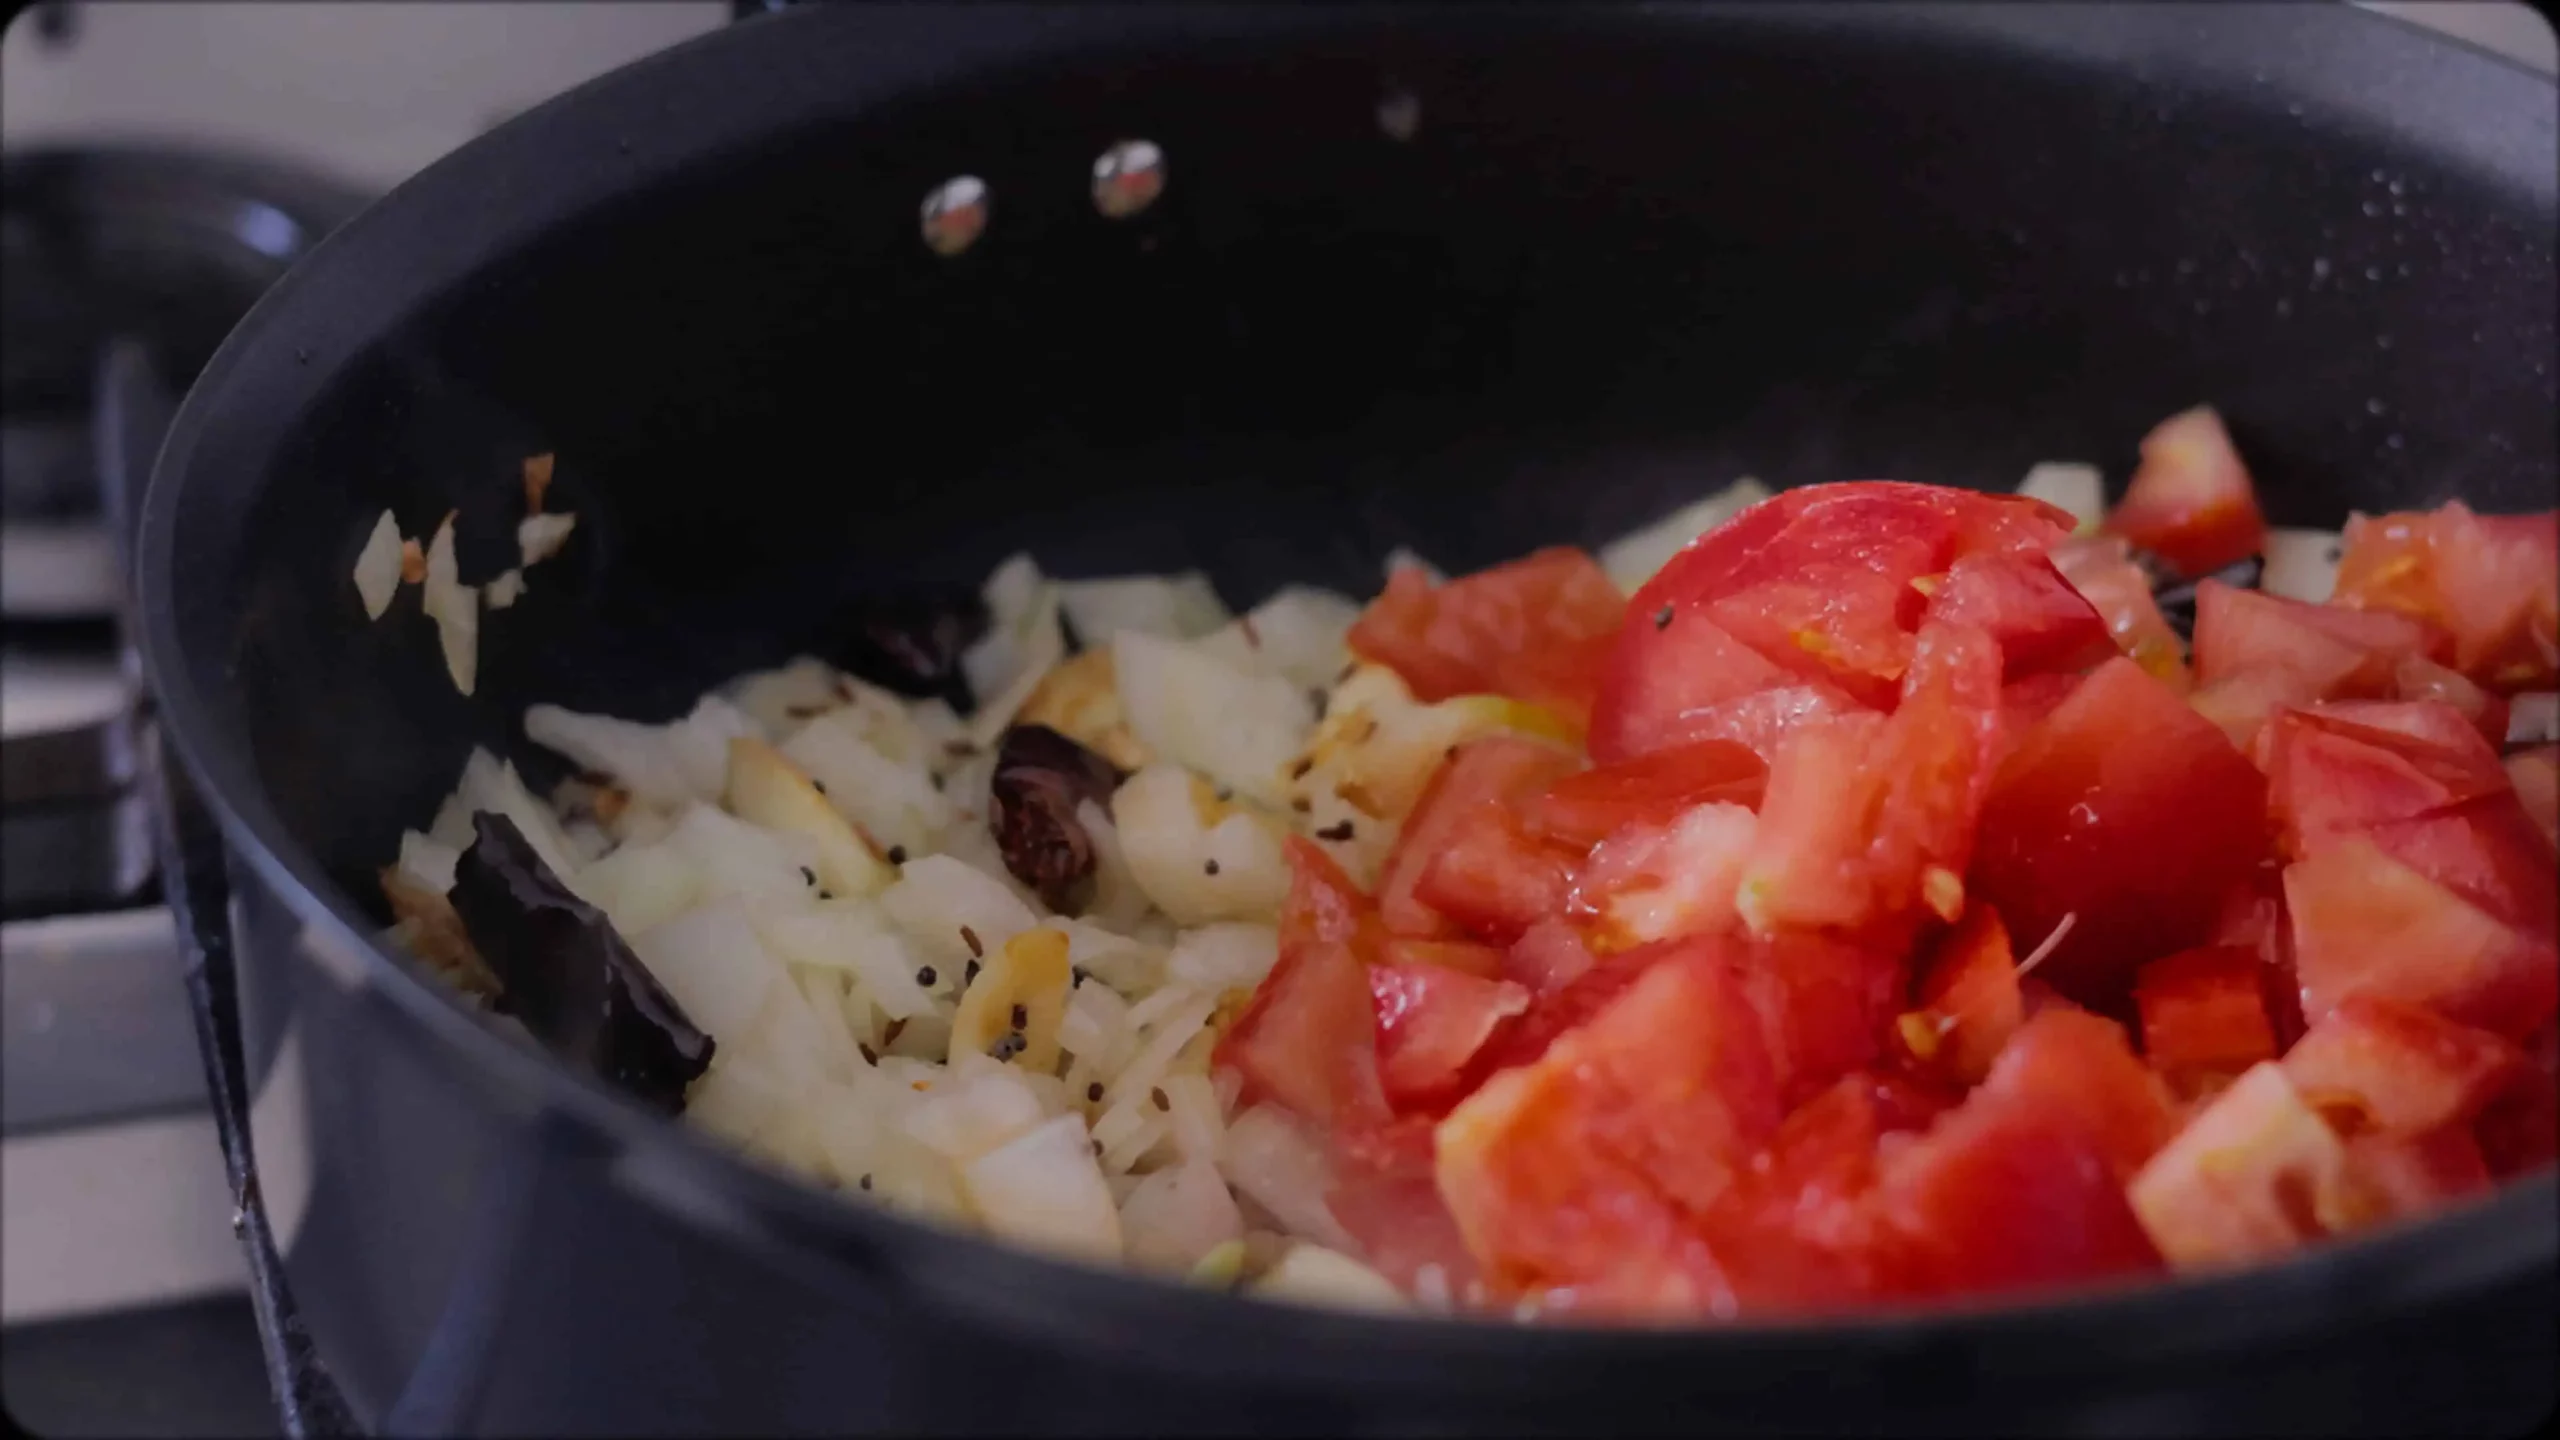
x: 455, y: 607
x: 378, y: 566
x: 539, y: 537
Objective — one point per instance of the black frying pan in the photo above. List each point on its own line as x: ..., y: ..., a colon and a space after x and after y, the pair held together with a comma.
x: 1626, y: 255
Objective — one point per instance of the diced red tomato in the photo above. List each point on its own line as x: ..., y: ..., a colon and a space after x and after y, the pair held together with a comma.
x: 2535, y: 774
x: 2245, y: 1180
x: 1485, y: 962
x: 2419, y: 678
x: 1308, y: 1039
x: 1655, y: 882
x: 2024, y: 1183
x: 1431, y: 1022
x: 1547, y: 957
x: 1584, y: 1169
x: 2366, y: 924
x: 2205, y: 1011
x: 2039, y: 622
x: 2025, y: 702
x: 2329, y: 778
x: 1387, y: 1195
x: 2332, y: 652
x: 2240, y: 705
x: 1323, y: 907
x: 1494, y: 879
x: 2489, y: 580
x: 1820, y: 579
x: 2099, y: 567
x: 1536, y: 629
x: 1826, y: 1003
x: 1669, y: 690
x: 2374, y: 1064
x: 1584, y: 809
x: 1867, y: 819
x: 2126, y: 811
x: 1795, y: 1232
x: 1969, y: 1000
x: 1499, y: 771
x: 2190, y: 501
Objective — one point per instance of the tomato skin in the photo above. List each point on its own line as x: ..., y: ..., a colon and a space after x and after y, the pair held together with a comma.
x: 1819, y: 577
x: 1826, y: 1004
x: 2023, y: 1183
x: 1308, y: 1039
x: 1431, y: 1022
x: 2101, y: 569
x: 1537, y: 629
x: 1493, y: 879
x: 2488, y: 580
x: 1386, y: 1194
x: 2380, y: 1065
x: 1585, y: 808
x: 2204, y: 1011
x: 1498, y: 770
x: 2126, y: 810
x: 2025, y: 702
x: 1860, y: 814
x: 2331, y: 652
x: 1585, y: 1169
x: 1323, y: 907
x: 2190, y: 501
x: 2364, y: 923
x: 1969, y: 1002
x: 2039, y: 622
x: 1662, y: 688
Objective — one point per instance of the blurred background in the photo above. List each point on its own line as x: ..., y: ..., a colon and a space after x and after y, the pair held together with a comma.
x: 165, y: 160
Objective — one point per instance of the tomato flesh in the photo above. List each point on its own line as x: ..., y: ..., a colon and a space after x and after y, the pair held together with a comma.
x: 1495, y: 773
x: 2191, y: 502
x: 2374, y: 1064
x: 2205, y: 1011
x: 1969, y: 1000
x: 1432, y: 1021
x: 2127, y: 812
x: 1586, y: 808
x: 1537, y: 630
x: 2364, y: 923
x: 2039, y: 622
x: 2487, y: 580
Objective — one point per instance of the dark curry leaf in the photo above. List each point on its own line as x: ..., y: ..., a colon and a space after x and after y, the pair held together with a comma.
x: 912, y: 643
x: 567, y: 975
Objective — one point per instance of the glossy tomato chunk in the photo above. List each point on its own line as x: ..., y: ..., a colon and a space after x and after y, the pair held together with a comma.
x: 1585, y: 1169
x: 1969, y: 1002
x: 1485, y: 962
x: 2329, y: 651
x: 1308, y: 1039
x: 1657, y: 882
x: 2191, y: 502
x: 1432, y: 1021
x: 1548, y: 956
x: 2039, y: 622
x: 1494, y: 774
x: 2374, y: 1064
x: 2126, y: 812
x: 1494, y: 879
x: 2204, y: 1011
x: 2487, y: 580
x: 1866, y: 819
x: 1675, y: 676
x: 1586, y: 808
x: 2535, y: 774
x: 1536, y: 629
x: 2366, y: 924
x: 2101, y: 568
x: 2024, y: 1183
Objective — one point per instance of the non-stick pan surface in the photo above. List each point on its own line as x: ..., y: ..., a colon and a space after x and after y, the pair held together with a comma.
x: 1626, y: 255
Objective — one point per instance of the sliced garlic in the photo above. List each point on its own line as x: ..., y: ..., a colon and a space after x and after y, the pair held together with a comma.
x: 1081, y: 700
x: 1030, y: 977
x: 1314, y: 1275
x: 766, y: 789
